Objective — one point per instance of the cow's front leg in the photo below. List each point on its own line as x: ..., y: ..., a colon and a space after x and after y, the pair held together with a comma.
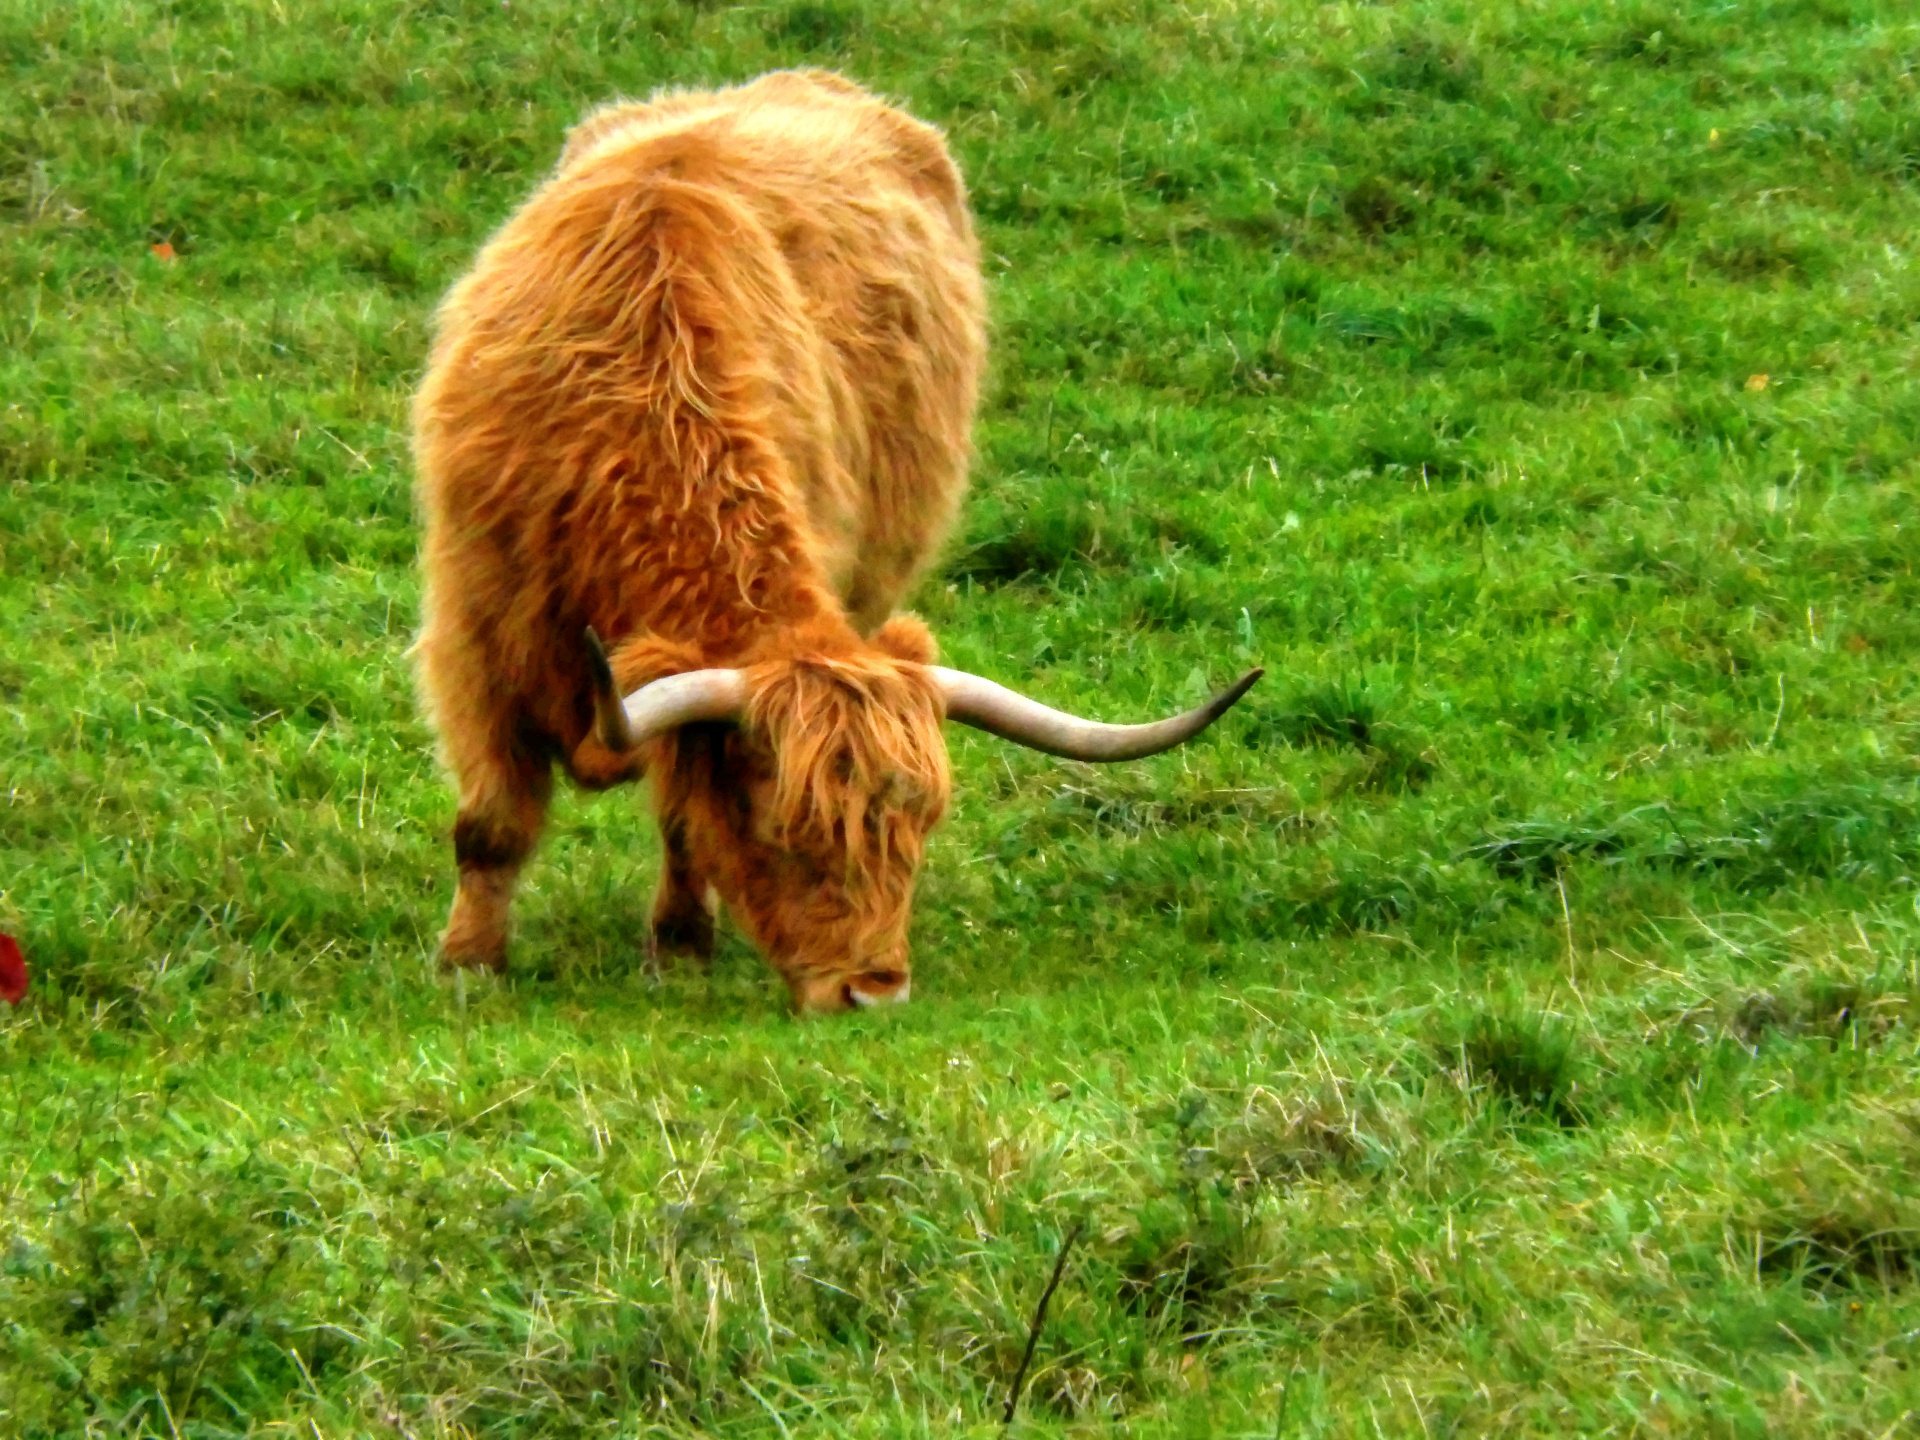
x: 684, y: 905
x: 502, y: 806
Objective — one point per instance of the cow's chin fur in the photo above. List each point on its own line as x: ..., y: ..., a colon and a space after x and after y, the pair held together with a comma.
x: 811, y: 818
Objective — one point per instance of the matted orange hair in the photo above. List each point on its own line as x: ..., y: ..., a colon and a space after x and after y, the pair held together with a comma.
x: 708, y: 392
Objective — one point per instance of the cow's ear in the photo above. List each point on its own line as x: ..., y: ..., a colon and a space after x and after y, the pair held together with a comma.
x: 906, y: 637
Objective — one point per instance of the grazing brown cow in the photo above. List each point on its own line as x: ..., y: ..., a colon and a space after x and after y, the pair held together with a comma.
x: 707, y: 394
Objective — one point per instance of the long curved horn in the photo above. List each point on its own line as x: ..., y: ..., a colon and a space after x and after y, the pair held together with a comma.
x: 660, y: 705
x: 984, y: 705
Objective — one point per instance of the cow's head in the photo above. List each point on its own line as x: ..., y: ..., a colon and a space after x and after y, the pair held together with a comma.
x: 804, y: 788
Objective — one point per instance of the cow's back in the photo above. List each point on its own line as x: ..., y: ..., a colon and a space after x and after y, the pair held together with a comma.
x: 873, y: 391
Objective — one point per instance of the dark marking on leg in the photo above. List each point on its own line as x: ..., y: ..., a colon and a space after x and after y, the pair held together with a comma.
x: 502, y: 806
x: 483, y: 842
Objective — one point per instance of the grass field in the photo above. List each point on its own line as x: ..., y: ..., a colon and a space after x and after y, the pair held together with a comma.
x: 1508, y: 1021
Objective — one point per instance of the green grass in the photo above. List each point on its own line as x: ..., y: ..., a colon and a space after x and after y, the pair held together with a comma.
x: 1508, y: 1020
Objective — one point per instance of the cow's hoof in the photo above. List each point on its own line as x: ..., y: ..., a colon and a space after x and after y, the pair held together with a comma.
x: 455, y: 956
x: 690, y: 936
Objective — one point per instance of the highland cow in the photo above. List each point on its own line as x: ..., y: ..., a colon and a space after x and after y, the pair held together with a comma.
x: 707, y: 394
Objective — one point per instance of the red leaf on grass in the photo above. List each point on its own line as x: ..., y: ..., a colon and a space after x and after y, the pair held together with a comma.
x: 13, y: 971
x: 163, y: 251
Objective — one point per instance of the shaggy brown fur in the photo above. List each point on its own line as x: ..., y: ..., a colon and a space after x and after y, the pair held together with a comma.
x: 709, y: 391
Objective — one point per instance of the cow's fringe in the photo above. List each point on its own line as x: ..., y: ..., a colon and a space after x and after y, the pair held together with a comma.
x: 861, y: 761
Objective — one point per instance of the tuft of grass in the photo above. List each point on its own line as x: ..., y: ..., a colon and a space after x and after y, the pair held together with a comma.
x: 1828, y: 1222
x: 1818, y: 832
x: 1528, y: 1061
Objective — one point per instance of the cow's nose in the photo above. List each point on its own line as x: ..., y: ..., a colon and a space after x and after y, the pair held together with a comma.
x: 886, y: 987
x: 853, y: 990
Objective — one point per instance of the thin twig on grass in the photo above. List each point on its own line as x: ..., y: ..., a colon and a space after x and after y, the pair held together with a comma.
x: 1040, y: 1319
